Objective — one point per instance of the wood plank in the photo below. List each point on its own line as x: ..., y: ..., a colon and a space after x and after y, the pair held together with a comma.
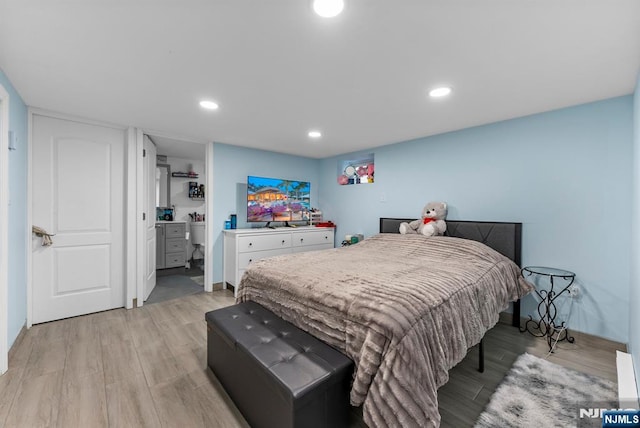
x: 114, y: 329
x: 150, y: 363
x: 9, y: 384
x: 193, y: 362
x: 83, y: 358
x: 120, y: 361
x: 51, y: 331
x: 463, y: 385
x: 46, y: 357
x: 21, y: 351
x: 214, y: 401
x: 177, y: 405
x: 36, y: 402
x: 81, y: 329
x: 144, y: 333
x: 129, y: 404
x: 83, y: 402
x: 161, y: 368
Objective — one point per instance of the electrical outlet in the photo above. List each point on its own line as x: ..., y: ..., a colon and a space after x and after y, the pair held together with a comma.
x: 574, y: 291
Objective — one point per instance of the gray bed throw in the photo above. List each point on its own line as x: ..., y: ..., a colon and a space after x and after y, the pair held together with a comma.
x: 404, y: 308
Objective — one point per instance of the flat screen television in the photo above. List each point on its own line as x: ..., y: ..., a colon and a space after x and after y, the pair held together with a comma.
x: 276, y: 199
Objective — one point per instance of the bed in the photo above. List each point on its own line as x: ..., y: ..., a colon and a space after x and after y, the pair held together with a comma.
x: 404, y: 308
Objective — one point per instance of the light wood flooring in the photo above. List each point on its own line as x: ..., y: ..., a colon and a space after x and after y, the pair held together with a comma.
x: 147, y: 367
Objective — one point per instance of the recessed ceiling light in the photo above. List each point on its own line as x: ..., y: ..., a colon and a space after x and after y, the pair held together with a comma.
x: 210, y: 105
x: 328, y: 8
x: 440, y: 92
x: 315, y: 134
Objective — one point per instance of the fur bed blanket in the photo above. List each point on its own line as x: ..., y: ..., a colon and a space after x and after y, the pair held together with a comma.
x: 404, y: 308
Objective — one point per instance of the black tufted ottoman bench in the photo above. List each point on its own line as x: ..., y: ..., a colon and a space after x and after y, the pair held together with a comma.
x: 278, y: 375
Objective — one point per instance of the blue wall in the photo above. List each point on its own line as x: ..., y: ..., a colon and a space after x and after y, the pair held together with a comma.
x: 566, y: 175
x: 17, y: 213
x: 634, y: 295
x: 231, y: 166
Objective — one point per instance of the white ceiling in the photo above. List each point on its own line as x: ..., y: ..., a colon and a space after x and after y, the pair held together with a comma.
x: 278, y: 70
x: 179, y: 149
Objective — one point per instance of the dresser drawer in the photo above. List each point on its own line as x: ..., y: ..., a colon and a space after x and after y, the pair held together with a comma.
x: 175, y: 245
x: 175, y: 230
x: 245, y: 258
x: 263, y: 242
x: 306, y: 248
x: 174, y: 260
x: 302, y: 239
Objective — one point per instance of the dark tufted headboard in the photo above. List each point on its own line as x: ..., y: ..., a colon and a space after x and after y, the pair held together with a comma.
x: 505, y: 238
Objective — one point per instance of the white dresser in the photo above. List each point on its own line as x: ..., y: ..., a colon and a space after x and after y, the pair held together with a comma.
x: 243, y: 246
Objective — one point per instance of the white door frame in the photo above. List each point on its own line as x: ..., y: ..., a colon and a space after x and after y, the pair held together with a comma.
x: 4, y: 230
x: 30, y: 113
x: 130, y: 260
x: 131, y: 290
x: 209, y: 239
x: 138, y: 290
x: 140, y: 226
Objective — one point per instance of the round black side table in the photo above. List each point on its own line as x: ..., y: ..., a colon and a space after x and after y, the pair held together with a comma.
x: 546, y: 326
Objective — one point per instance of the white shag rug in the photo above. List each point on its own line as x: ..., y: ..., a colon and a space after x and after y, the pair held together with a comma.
x: 538, y: 393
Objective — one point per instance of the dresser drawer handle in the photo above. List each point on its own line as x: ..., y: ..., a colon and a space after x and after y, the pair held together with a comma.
x: 301, y: 239
x: 250, y: 244
x: 250, y: 260
x: 283, y: 241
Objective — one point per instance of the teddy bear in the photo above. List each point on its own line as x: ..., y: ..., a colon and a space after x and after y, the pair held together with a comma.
x: 432, y: 222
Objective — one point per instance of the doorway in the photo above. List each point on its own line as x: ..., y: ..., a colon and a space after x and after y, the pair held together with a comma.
x: 180, y: 195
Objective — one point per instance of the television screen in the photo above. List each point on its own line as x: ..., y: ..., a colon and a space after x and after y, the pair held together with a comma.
x: 275, y: 199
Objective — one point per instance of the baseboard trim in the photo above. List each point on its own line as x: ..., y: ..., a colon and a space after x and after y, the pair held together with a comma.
x: 506, y: 318
x: 627, y: 388
x: 17, y: 342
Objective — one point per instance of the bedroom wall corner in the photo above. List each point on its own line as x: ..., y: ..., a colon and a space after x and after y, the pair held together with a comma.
x: 565, y: 174
x: 634, y: 292
x: 17, y: 268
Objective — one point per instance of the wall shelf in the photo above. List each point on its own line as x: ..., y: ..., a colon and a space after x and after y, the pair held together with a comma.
x: 184, y: 175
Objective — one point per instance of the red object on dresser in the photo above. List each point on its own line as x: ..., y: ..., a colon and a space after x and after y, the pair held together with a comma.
x: 326, y: 224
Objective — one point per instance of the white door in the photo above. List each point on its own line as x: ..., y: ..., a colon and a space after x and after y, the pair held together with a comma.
x: 149, y: 175
x: 78, y: 195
